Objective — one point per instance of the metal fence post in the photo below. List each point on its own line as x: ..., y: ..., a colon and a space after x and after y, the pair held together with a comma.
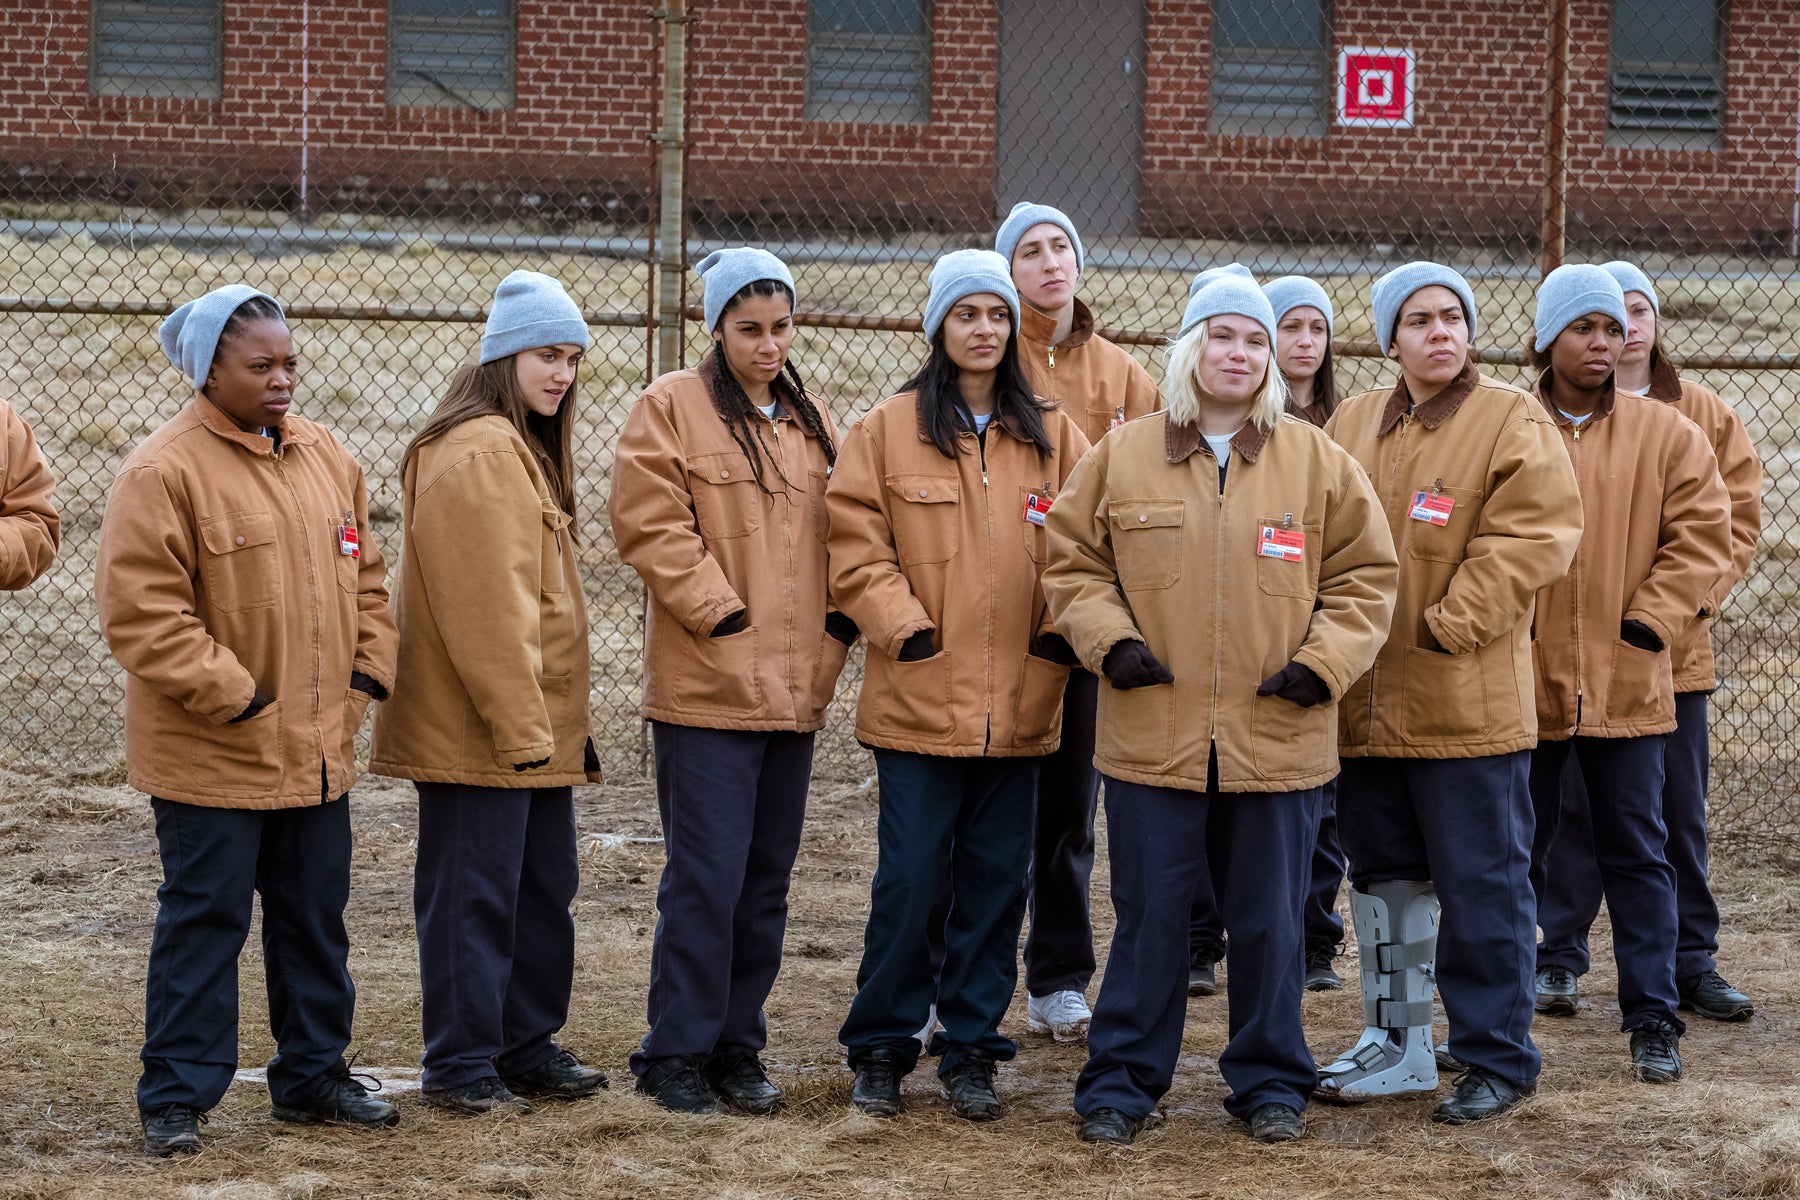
x: 671, y: 250
x: 1556, y: 134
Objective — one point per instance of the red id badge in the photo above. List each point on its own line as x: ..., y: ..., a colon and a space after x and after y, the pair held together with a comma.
x: 349, y: 544
x: 1286, y: 544
x: 1433, y: 507
x: 1037, y: 508
x: 1118, y: 418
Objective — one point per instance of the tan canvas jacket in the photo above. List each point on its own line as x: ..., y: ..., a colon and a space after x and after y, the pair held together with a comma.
x: 220, y: 574
x: 493, y: 665
x: 689, y: 518
x: 1454, y: 678
x: 1098, y: 384
x: 1144, y: 546
x: 29, y: 526
x: 1656, y: 543
x: 920, y: 541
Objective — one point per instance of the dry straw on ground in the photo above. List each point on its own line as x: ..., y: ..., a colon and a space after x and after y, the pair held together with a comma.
x: 78, y: 875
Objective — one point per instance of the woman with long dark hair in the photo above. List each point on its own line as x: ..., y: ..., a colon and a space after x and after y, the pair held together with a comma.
x: 937, y: 545
x: 491, y: 721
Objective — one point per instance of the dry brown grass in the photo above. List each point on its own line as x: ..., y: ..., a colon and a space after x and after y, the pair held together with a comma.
x: 78, y: 874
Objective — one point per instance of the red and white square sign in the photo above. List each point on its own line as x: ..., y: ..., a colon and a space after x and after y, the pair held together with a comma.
x: 1375, y: 88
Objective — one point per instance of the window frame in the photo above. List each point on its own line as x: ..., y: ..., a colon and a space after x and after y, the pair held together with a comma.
x: 1641, y: 133
x: 915, y: 110
x: 1316, y: 125
x: 102, y: 82
x: 420, y: 91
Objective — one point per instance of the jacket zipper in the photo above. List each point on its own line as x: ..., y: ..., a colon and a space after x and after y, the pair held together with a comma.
x: 987, y: 519
x: 317, y: 606
x: 1575, y: 461
x: 787, y: 533
x: 1212, y: 712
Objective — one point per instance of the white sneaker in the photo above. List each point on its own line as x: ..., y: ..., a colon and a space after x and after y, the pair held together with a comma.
x: 929, y: 1028
x: 1063, y: 1015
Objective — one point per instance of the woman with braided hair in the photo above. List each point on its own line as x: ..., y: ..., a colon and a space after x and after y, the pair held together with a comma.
x: 718, y: 503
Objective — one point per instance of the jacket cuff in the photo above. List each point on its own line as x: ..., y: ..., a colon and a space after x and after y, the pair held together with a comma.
x: 1101, y: 646
x: 1657, y: 626
x: 526, y: 754
x: 235, y: 707
x: 1446, y: 637
x: 712, y: 614
x: 1334, y: 683
x: 891, y: 647
x: 384, y: 678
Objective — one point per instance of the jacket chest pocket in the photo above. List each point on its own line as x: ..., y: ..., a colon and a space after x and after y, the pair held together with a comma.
x: 1033, y: 500
x: 239, y: 566
x: 925, y: 512
x: 1427, y: 539
x: 346, y: 564
x: 1282, y: 567
x: 1146, y: 536
x: 727, y: 501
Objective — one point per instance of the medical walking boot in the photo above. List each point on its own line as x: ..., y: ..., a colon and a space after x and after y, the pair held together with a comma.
x: 1396, y: 932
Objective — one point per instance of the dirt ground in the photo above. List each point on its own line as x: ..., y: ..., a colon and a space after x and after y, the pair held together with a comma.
x: 78, y: 874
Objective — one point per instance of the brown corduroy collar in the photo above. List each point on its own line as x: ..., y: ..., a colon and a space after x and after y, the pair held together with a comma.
x: 1040, y: 327
x: 1435, y: 411
x: 1181, y: 441
x: 1665, y: 383
x: 1602, y: 410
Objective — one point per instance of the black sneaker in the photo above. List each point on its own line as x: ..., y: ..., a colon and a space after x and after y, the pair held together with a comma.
x: 1557, y: 991
x: 483, y: 1096
x: 171, y: 1129
x: 562, y: 1077
x: 969, y: 1087
x: 1321, y: 976
x: 1656, y: 1052
x: 739, y: 1079
x: 876, y: 1091
x: 1275, y: 1123
x: 339, y: 1098
x: 1203, y: 979
x: 1109, y: 1126
x: 1478, y: 1095
x: 1709, y: 995
x: 676, y: 1084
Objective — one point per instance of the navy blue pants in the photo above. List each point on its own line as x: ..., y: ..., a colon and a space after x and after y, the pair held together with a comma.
x: 1059, y: 949
x: 1572, y: 896
x: 733, y: 803
x: 969, y: 820
x: 1624, y: 781
x: 215, y: 860
x: 1464, y: 825
x: 1159, y: 839
x: 1324, y: 927
x: 495, y: 876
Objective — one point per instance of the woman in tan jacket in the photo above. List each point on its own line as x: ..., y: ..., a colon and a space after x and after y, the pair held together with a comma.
x: 718, y: 503
x: 937, y: 543
x: 1656, y: 540
x: 240, y: 592
x: 1226, y: 569
x: 490, y: 719
x: 29, y: 526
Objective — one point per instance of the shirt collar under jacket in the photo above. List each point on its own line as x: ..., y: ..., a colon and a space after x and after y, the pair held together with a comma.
x: 1040, y: 327
x: 1181, y: 441
x: 1438, y: 409
x: 293, y: 433
x: 1602, y: 410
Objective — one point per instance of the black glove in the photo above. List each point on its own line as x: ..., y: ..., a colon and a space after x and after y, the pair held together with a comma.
x: 1131, y: 665
x: 842, y: 628
x: 732, y: 623
x: 1054, y: 647
x: 258, y: 702
x: 1297, y: 682
x: 917, y: 647
x: 590, y: 757
x: 1638, y: 634
x: 531, y: 766
x: 363, y: 683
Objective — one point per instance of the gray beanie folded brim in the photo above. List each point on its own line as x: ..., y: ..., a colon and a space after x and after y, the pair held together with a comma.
x: 1573, y: 291
x: 1022, y: 217
x: 1228, y: 294
x: 531, y: 310
x: 966, y: 273
x: 725, y: 273
x: 190, y: 334
x: 1393, y: 290
x: 1632, y: 279
x: 1297, y: 291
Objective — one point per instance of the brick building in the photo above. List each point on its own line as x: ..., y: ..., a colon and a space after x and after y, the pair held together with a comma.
x: 1161, y: 117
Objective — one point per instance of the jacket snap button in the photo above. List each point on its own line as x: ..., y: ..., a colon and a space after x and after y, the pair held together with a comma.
x: 923, y: 493
x: 240, y: 541
x: 724, y: 474
x: 1143, y: 516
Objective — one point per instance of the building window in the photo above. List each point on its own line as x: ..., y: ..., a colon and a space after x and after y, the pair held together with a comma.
x: 1271, y: 68
x: 154, y: 48
x: 1667, y: 83
x: 868, y: 61
x: 451, y: 53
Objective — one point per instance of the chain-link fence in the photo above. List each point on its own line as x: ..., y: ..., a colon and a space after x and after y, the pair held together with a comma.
x: 381, y: 164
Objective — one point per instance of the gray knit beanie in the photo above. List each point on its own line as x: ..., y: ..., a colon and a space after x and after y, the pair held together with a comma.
x: 1228, y: 271
x: 531, y: 310
x: 1297, y: 291
x: 964, y: 273
x: 1397, y: 286
x: 1633, y: 279
x: 190, y: 334
x: 1572, y: 291
x: 725, y: 273
x: 1022, y: 217
x: 1227, y: 293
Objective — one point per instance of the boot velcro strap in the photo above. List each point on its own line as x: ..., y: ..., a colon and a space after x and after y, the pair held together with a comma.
x: 1396, y: 1014
x: 1398, y: 956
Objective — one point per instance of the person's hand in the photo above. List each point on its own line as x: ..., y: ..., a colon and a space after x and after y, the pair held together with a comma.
x: 1130, y: 664
x: 917, y: 647
x: 258, y: 702
x: 735, y: 622
x: 590, y: 757
x: 841, y: 627
x: 531, y: 766
x: 1638, y: 634
x: 1054, y: 647
x: 1296, y: 682
x: 364, y: 683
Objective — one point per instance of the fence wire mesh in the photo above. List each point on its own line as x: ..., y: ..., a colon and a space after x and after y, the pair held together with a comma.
x: 391, y: 160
